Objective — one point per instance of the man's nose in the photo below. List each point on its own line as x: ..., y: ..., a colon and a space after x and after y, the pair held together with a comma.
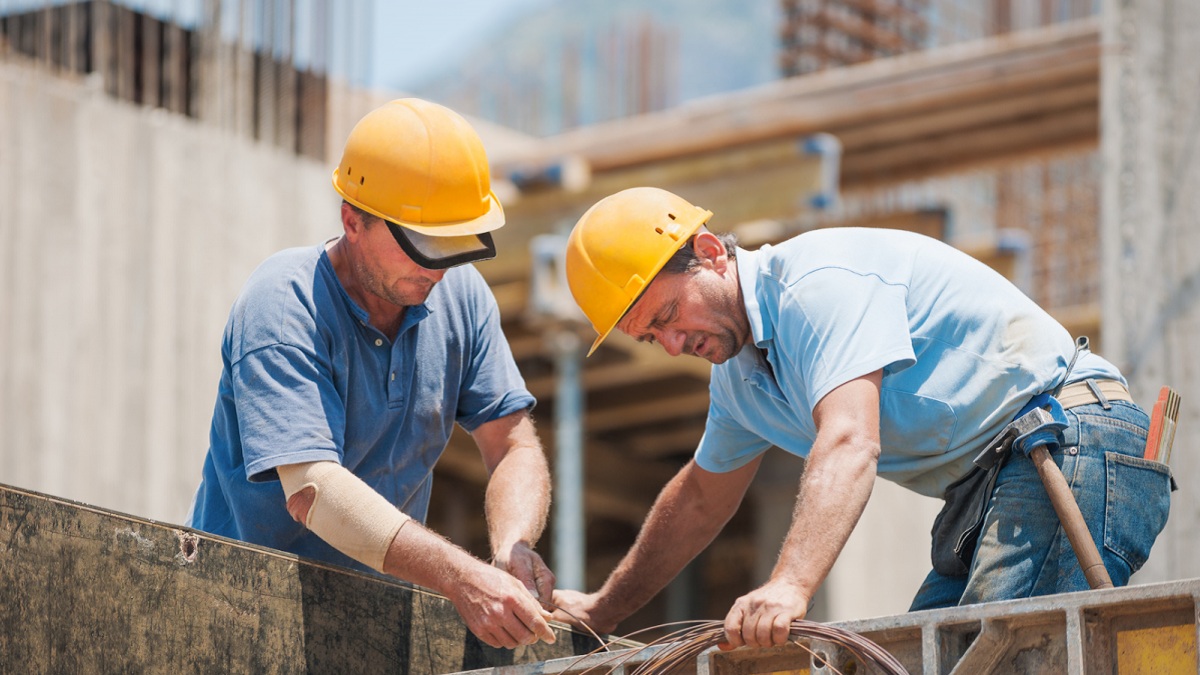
x: 673, y: 342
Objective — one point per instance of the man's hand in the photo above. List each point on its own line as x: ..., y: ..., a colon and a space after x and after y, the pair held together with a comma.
x: 763, y: 617
x: 583, y: 610
x: 499, y: 609
x: 521, y: 561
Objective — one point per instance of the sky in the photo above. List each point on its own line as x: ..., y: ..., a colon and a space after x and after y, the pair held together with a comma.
x: 411, y: 38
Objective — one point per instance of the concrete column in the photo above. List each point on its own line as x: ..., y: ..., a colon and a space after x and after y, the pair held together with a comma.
x: 1150, y: 195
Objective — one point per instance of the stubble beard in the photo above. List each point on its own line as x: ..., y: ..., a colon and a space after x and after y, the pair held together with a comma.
x: 403, y: 292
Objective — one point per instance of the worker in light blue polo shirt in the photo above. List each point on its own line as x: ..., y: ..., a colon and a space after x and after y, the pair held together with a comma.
x: 346, y: 366
x: 866, y: 352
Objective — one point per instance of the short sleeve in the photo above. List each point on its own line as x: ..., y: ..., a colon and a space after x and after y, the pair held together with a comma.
x: 726, y: 444
x: 492, y: 386
x: 288, y: 409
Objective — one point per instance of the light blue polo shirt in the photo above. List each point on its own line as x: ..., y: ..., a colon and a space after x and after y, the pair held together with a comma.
x: 307, y: 378
x: 961, y: 349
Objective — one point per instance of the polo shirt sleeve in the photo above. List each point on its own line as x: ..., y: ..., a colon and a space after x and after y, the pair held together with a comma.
x: 726, y: 444
x: 836, y: 324
x: 288, y: 409
x: 492, y: 386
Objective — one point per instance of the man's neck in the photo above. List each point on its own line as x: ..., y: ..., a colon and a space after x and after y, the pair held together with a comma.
x: 384, y: 316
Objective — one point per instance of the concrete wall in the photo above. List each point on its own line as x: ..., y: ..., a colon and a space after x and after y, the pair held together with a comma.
x: 125, y: 234
x: 1150, y: 142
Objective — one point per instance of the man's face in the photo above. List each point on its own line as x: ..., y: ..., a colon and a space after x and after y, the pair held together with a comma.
x: 383, y: 269
x: 698, y: 313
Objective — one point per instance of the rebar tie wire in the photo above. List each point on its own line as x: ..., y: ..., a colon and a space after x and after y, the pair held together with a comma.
x: 685, y: 645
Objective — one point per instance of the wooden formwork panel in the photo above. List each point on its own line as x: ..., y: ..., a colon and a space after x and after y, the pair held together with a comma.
x: 91, y: 591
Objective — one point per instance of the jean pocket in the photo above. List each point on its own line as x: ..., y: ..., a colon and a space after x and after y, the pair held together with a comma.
x: 1136, y: 508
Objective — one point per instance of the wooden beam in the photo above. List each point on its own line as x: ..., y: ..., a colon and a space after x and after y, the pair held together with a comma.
x: 965, y: 149
x: 634, y: 414
x: 991, y: 69
x: 648, y: 363
x: 1082, y: 320
x: 658, y: 444
x: 612, y: 489
x: 945, y: 122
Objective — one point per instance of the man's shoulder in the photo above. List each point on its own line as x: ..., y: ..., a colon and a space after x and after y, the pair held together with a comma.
x: 287, y: 264
x: 280, y: 297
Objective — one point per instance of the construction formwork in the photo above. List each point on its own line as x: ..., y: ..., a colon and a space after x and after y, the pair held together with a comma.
x: 1139, y: 629
x: 87, y: 590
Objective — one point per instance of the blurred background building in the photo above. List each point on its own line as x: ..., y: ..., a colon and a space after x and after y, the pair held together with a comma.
x: 151, y: 154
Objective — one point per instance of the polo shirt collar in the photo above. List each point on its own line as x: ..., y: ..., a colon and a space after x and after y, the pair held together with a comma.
x: 749, y: 268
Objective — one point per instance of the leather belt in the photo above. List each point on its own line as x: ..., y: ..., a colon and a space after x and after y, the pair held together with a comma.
x: 1091, y: 390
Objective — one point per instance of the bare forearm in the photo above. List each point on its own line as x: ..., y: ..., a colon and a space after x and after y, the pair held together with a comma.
x: 518, y: 498
x: 494, y: 604
x: 837, y: 481
x: 423, y: 557
x: 685, y: 518
x: 663, y: 548
x: 833, y: 493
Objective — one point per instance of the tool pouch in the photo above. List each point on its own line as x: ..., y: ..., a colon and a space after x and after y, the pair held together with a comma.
x: 956, y: 528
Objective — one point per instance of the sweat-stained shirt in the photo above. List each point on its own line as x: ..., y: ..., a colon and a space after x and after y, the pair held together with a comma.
x: 961, y: 348
x: 305, y: 377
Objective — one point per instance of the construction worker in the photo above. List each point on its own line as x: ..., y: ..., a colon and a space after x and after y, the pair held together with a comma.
x: 347, y: 365
x: 865, y: 352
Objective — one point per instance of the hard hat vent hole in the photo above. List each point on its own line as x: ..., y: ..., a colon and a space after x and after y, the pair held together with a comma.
x: 362, y: 180
x: 671, y: 216
x: 658, y: 230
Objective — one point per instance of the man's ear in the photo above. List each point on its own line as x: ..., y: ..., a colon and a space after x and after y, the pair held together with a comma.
x: 708, y: 247
x: 352, y: 222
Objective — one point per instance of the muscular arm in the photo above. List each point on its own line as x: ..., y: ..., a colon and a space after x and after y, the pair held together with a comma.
x: 688, y: 513
x: 834, y: 489
x: 517, y: 499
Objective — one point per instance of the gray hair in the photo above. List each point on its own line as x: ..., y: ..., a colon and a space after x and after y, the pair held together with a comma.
x: 685, y: 258
x: 367, y: 218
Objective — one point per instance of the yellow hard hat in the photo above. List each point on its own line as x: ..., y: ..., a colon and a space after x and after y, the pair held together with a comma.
x: 422, y: 168
x: 620, y: 244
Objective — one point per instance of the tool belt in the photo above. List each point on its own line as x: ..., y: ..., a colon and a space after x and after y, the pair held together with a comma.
x: 1041, y: 422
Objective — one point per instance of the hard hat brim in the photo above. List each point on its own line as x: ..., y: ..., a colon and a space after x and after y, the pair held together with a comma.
x: 492, y: 220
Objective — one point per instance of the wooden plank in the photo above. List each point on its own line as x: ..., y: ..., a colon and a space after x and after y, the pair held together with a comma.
x: 89, y: 590
x: 993, y: 69
x: 923, y: 157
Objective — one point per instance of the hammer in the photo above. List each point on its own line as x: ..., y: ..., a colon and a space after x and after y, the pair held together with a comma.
x: 1038, y: 426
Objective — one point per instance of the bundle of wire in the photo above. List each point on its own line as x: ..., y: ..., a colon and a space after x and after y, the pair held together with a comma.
x: 683, y: 646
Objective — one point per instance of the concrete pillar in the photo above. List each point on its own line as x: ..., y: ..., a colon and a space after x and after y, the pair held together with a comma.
x: 1150, y: 195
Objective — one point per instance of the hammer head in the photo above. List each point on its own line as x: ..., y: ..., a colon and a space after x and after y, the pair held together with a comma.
x: 1040, y: 422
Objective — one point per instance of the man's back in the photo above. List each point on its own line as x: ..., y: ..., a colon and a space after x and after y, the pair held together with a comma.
x: 961, y: 349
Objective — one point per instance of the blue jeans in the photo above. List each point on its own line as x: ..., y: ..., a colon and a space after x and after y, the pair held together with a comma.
x: 1023, y: 551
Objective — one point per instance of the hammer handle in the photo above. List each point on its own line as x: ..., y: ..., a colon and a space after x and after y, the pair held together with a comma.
x: 1071, y: 519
